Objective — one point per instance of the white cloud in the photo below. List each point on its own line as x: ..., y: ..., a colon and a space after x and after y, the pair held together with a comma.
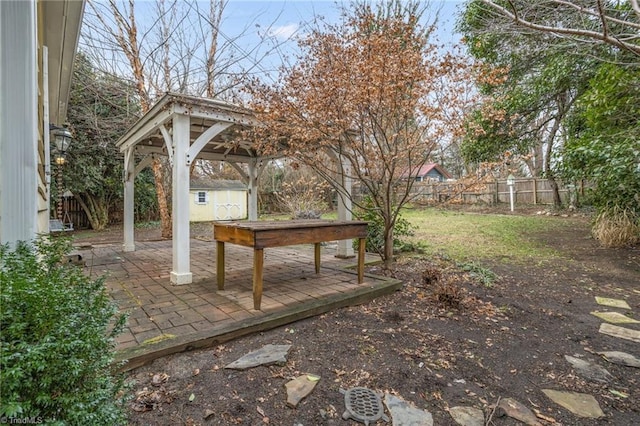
x: 284, y: 32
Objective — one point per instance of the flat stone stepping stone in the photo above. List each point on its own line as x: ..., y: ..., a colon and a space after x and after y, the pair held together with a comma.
x: 589, y: 370
x: 518, y: 411
x: 269, y: 354
x: 620, y: 332
x: 621, y: 358
x: 615, y: 317
x: 614, y: 303
x: 580, y: 404
x: 405, y: 414
x: 467, y: 416
x: 299, y: 388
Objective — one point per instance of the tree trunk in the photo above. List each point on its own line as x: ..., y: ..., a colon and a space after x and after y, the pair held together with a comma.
x: 216, y: 8
x: 126, y: 36
x: 387, y: 256
x: 96, y: 212
x: 557, y: 201
x: 165, y: 215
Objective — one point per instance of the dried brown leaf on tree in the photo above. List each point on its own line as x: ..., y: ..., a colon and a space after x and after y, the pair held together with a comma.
x: 369, y: 101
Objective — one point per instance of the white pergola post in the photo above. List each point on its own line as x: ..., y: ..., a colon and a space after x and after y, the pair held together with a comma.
x: 181, y: 273
x: 129, y: 179
x: 252, y: 186
x: 345, y: 247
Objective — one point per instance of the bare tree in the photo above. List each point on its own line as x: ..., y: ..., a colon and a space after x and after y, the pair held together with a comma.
x: 168, y: 45
x: 365, y: 102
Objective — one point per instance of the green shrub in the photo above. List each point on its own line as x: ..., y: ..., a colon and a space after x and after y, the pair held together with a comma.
x: 375, y: 230
x: 57, y: 341
x: 484, y: 275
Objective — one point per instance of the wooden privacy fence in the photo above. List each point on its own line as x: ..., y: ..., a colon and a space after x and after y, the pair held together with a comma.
x: 526, y: 191
x: 74, y: 214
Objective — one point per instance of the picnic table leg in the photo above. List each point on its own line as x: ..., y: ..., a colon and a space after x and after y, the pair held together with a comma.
x: 317, y: 257
x: 258, y: 261
x: 220, y: 264
x: 361, y: 247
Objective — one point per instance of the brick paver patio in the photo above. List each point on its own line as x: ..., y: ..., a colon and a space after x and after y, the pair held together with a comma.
x: 165, y: 318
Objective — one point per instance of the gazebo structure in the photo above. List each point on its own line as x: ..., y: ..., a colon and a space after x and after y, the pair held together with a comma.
x: 185, y: 128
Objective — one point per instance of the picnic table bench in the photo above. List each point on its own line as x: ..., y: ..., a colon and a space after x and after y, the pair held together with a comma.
x: 264, y: 234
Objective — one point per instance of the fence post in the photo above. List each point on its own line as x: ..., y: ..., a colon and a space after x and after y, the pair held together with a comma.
x: 511, y: 182
x: 535, y: 191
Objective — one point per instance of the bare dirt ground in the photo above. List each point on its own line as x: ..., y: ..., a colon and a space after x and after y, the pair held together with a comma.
x: 444, y: 340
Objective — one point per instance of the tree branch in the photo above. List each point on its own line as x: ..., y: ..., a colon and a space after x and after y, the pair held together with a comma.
x: 603, y: 36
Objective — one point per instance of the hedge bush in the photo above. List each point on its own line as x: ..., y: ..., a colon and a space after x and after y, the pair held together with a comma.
x: 57, y: 340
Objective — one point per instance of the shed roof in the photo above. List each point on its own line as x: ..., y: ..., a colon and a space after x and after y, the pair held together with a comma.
x: 426, y: 168
x: 217, y: 184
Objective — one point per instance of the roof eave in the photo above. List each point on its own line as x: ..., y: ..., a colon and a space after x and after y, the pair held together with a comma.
x: 60, y: 22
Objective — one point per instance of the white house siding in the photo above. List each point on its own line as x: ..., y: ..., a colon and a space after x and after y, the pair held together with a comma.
x: 219, y: 205
x: 18, y: 121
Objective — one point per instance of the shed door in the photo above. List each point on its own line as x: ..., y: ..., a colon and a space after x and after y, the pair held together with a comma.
x: 230, y: 205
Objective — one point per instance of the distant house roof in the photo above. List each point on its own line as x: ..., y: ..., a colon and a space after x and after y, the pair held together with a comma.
x: 217, y: 184
x: 426, y: 168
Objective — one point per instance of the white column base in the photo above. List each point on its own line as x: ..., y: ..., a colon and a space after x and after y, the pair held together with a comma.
x: 178, y: 278
x: 128, y: 247
x: 345, y: 249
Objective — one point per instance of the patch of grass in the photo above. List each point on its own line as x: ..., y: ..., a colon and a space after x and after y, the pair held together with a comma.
x: 486, y: 276
x: 148, y: 225
x: 158, y: 339
x: 504, y: 309
x: 84, y: 234
x: 469, y: 236
x: 465, y: 237
x: 330, y: 215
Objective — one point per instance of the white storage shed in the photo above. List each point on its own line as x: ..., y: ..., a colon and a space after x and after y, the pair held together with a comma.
x: 217, y: 200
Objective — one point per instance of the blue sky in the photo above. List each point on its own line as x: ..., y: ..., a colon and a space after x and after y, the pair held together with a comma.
x: 285, y: 18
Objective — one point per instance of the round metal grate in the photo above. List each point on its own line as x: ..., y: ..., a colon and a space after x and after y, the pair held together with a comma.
x: 363, y: 405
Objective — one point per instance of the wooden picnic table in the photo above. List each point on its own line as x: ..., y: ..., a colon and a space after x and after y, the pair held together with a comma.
x: 263, y: 234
